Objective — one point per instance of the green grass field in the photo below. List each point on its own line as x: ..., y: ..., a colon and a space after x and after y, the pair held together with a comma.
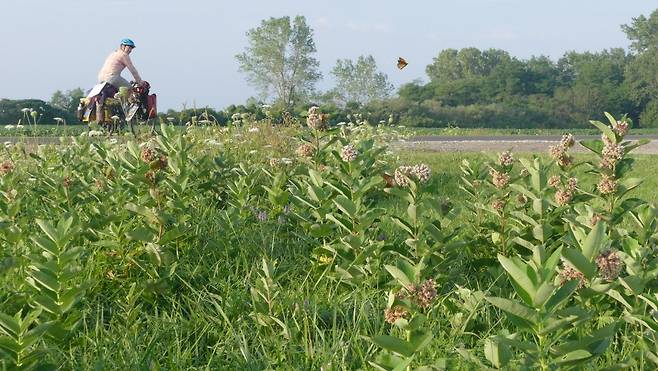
x: 504, y: 132
x: 446, y: 168
x: 58, y: 130
x: 253, y: 248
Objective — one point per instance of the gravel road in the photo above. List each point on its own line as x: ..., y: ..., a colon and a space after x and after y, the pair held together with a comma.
x: 516, y: 143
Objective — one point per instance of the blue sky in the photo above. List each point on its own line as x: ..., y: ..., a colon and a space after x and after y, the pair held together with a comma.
x: 187, y: 49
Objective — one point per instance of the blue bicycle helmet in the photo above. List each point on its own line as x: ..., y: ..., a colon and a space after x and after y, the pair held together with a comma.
x: 128, y: 42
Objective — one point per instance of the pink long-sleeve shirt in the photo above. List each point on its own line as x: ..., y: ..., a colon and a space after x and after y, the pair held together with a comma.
x: 115, y: 63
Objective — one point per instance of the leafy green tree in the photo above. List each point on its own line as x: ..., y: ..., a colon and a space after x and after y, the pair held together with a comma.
x: 596, y: 83
x: 451, y: 65
x: 542, y: 75
x: 68, y: 100
x: 279, y: 60
x: 360, y: 81
x: 415, y: 91
x: 445, y: 67
x: 59, y: 99
x: 641, y: 75
x: 643, y: 32
x: 649, y: 116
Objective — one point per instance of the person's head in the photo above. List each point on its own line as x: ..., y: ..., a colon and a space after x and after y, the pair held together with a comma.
x: 127, y: 45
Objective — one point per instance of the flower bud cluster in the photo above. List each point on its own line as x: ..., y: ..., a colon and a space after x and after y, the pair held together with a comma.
x: 559, y: 152
x: 305, y: 150
x: 499, y: 179
x: 609, y: 264
x: 6, y: 167
x: 315, y: 119
x: 348, y: 153
x: 420, y: 172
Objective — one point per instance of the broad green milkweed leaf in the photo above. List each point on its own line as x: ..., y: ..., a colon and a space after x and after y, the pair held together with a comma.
x: 580, y: 262
x: 497, y: 353
x: 593, y: 145
x: 386, y: 361
x: 520, y: 276
x: 605, y: 129
x: 393, y: 344
x: 9, y: 325
x: 346, y: 206
x: 420, y: 339
x: 561, y: 295
x: 401, y: 276
x: 49, y: 230
x: 592, y: 244
x: 514, y: 308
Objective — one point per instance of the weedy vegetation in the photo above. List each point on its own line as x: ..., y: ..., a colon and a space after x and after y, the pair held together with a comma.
x: 304, y: 246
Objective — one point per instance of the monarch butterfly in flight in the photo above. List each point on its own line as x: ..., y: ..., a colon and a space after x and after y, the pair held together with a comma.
x: 402, y: 63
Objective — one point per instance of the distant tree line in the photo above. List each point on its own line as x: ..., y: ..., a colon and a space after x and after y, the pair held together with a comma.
x: 11, y: 112
x: 467, y: 87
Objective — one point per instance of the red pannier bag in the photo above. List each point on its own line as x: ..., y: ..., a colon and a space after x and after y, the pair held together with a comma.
x: 152, y: 106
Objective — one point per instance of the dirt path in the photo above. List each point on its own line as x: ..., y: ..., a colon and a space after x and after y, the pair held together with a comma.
x: 499, y: 144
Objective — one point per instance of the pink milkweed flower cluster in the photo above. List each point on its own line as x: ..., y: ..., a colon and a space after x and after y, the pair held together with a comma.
x: 609, y: 264
x: 621, y: 128
x: 607, y: 185
x: 499, y: 179
x: 305, y: 150
x: 420, y: 172
x: 348, y: 153
x: 506, y: 159
x: 6, y: 167
x: 559, y: 152
x: 569, y: 273
x: 315, y: 119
